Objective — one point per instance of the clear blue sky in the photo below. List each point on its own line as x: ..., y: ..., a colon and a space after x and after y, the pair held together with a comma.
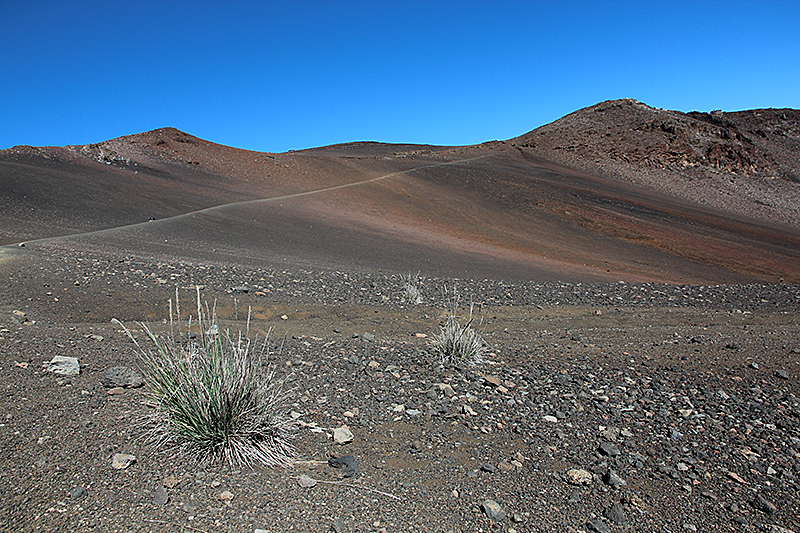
x: 275, y: 76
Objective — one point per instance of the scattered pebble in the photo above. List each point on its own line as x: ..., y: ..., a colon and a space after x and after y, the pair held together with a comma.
x: 493, y: 511
x: 65, y: 366
x: 121, y: 461
x: 343, y: 435
x: 78, y: 492
x: 347, y: 463
x: 578, y: 476
x: 306, y: 481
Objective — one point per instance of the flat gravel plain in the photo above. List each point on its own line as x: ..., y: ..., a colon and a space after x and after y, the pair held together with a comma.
x: 598, y: 407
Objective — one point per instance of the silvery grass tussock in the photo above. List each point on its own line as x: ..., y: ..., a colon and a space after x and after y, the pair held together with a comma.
x: 458, y: 343
x: 410, y: 292
x: 212, y: 394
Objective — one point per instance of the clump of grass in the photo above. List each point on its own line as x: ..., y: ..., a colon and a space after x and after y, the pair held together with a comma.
x: 213, y: 396
x: 458, y: 343
x: 410, y: 291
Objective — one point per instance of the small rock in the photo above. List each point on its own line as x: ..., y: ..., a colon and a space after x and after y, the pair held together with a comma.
x: 764, y: 505
x: 121, y: 376
x: 170, y: 481
x: 609, y: 449
x: 615, y: 514
x: 116, y: 391
x: 488, y: 467
x: 493, y: 511
x: 493, y: 381
x: 783, y: 374
x: 368, y: 337
x: 189, y: 508
x: 614, y: 480
x: 505, y: 466
x: 343, y: 435
x: 550, y: 418
x: 578, y: 476
x: 737, y: 477
x: 348, y: 464
x: 78, y: 492
x: 160, y: 497
x: 120, y: 461
x: 225, y: 496
x: 65, y: 366
x: 306, y: 481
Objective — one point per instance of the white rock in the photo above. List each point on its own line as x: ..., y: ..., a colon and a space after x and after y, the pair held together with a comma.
x: 343, y: 435
x: 307, y: 481
x: 66, y: 366
x: 120, y: 461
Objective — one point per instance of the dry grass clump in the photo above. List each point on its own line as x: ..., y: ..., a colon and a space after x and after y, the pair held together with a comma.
x: 410, y: 291
x: 213, y: 396
x: 458, y: 343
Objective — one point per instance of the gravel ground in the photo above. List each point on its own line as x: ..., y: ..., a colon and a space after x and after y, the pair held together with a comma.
x: 599, y: 407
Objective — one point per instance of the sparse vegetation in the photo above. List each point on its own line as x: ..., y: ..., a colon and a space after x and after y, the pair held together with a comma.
x: 213, y: 396
x: 411, y: 292
x: 458, y: 343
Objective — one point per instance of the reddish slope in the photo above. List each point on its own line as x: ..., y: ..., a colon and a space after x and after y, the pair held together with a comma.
x: 746, y: 162
x: 494, y: 210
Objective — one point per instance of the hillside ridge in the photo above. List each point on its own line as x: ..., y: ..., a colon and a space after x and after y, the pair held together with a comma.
x: 619, y: 190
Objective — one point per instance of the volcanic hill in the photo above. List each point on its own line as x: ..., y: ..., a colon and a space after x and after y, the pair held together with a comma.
x: 616, y: 191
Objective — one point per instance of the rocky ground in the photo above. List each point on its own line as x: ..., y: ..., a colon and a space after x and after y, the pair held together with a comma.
x: 599, y: 407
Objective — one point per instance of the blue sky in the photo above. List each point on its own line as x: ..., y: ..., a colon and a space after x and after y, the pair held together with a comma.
x: 275, y: 76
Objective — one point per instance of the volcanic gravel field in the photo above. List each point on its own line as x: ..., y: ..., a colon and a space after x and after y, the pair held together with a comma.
x: 677, y: 404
